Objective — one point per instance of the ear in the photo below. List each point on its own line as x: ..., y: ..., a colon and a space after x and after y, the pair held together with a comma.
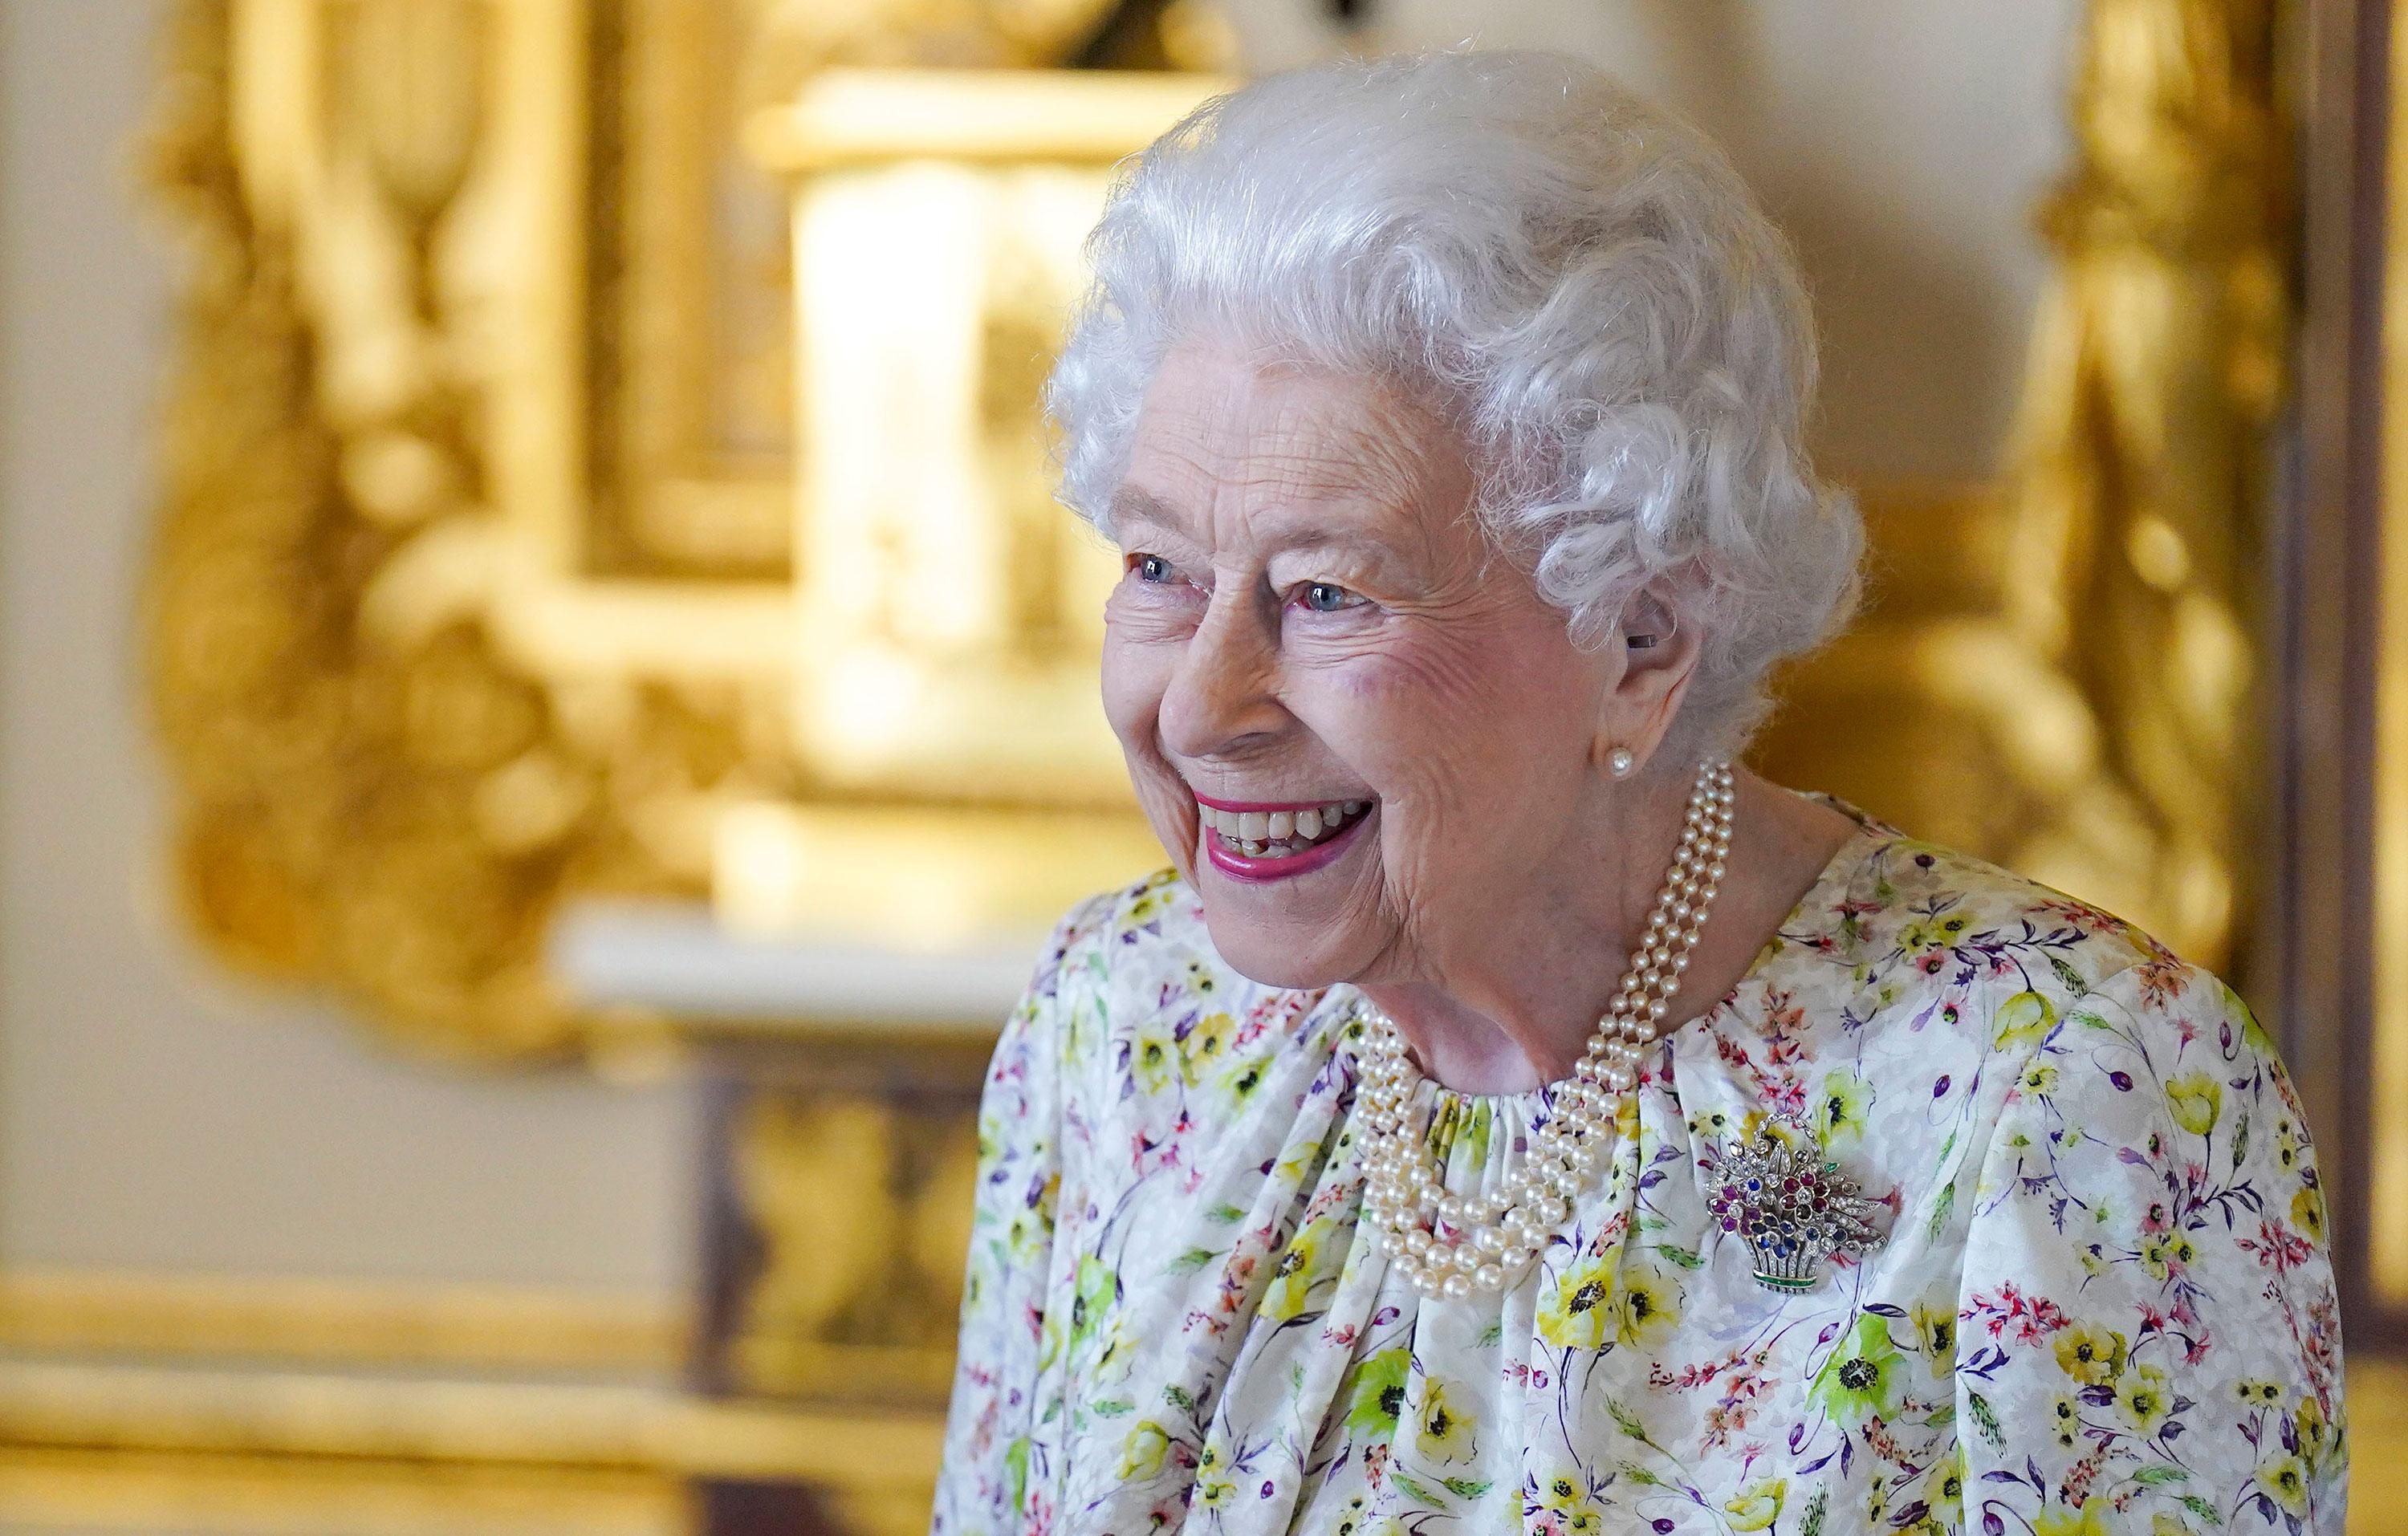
x: 1658, y: 653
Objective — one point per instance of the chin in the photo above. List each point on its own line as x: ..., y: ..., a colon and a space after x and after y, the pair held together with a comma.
x: 1265, y: 956
x: 1281, y: 954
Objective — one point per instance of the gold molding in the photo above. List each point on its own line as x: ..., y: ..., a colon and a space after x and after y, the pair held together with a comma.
x: 222, y: 1493
x: 202, y: 1402
x: 191, y: 1410
x: 348, y: 1323
x: 2387, y: 1118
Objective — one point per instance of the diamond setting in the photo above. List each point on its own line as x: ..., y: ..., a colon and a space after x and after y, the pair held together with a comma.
x: 1792, y: 1206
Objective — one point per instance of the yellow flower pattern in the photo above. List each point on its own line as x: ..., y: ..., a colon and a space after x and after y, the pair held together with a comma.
x: 1646, y: 1308
x: 2146, y: 1397
x: 1443, y: 1430
x: 2091, y: 1356
x: 1579, y: 1312
x: 2195, y: 1099
x: 2103, y: 1305
x: 1935, y: 1328
x: 2093, y: 1516
x: 1756, y: 1505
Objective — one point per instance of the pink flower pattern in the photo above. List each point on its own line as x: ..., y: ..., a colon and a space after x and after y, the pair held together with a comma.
x: 2103, y: 1302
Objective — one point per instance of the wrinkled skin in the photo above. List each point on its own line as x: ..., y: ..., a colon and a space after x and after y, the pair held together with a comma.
x: 1308, y: 613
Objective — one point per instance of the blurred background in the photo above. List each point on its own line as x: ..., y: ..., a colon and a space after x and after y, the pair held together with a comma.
x: 545, y: 706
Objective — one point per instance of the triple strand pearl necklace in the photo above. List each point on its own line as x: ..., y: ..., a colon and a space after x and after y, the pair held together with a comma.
x: 1449, y: 1245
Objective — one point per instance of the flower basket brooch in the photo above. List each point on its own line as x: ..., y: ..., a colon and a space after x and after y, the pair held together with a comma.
x: 1791, y: 1205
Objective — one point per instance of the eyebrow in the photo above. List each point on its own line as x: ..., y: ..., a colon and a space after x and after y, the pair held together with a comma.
x: 1301, y: 530
x: 1137, y: 501
x: 1348, y: 540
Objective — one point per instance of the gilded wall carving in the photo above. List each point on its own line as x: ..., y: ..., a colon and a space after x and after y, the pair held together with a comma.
x: 858, y: 1210
x: 2144, y: 458
x: 475, y: 582
x: 497, y: 566
x: 2080, y: 639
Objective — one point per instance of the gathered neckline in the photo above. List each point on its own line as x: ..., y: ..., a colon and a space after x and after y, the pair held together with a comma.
x: 1870, y: 835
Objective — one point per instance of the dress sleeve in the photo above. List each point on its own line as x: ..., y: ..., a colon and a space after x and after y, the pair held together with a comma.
x: 2149, y: 1339
x: 1004, y: 1332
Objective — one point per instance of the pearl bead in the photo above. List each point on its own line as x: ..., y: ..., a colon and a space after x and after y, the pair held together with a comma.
x: 1499, y: 1233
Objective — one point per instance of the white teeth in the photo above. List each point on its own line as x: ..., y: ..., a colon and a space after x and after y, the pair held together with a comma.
x: 1279, y: 834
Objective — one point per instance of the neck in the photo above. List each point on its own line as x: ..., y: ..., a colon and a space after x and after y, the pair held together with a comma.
x: 1516, y: 1009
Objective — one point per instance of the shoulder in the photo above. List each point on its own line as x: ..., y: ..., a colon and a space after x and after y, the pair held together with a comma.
x: 1914, y: 910
x: 2050, y: 959
x: 1909, y: 933
x: 2089, y: 1033
x: 1919, y: 975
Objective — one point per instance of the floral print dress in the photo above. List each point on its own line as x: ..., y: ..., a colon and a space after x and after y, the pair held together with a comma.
x: 2102, y: 1303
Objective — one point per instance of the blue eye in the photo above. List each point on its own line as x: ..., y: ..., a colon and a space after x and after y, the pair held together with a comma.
x: 1325, y: 596
x: 1151, y: 567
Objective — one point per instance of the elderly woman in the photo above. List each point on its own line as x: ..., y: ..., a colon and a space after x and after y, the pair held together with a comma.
x: 1506, y: 1113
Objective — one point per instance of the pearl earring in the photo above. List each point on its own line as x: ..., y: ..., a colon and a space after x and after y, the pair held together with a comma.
x: 1619, y: 762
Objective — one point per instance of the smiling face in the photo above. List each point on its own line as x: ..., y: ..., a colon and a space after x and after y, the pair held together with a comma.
x: 1361, y: 733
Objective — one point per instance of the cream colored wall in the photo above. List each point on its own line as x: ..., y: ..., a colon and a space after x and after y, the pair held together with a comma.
x: 153, y: 1116
x: 1902, y: 147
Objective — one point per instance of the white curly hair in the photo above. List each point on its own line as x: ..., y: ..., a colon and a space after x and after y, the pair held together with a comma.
x: 1620, y: 332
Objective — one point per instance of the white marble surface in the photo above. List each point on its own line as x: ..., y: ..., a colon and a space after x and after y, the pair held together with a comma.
x: 676, y: 958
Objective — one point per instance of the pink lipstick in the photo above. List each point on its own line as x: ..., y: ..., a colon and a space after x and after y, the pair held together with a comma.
x: 1257, y: 841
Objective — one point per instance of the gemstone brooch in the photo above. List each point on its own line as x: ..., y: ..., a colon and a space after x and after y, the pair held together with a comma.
x: 1788, y: 1203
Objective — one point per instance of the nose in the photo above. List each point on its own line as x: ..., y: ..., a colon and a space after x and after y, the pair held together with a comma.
x: 1223, y: 699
